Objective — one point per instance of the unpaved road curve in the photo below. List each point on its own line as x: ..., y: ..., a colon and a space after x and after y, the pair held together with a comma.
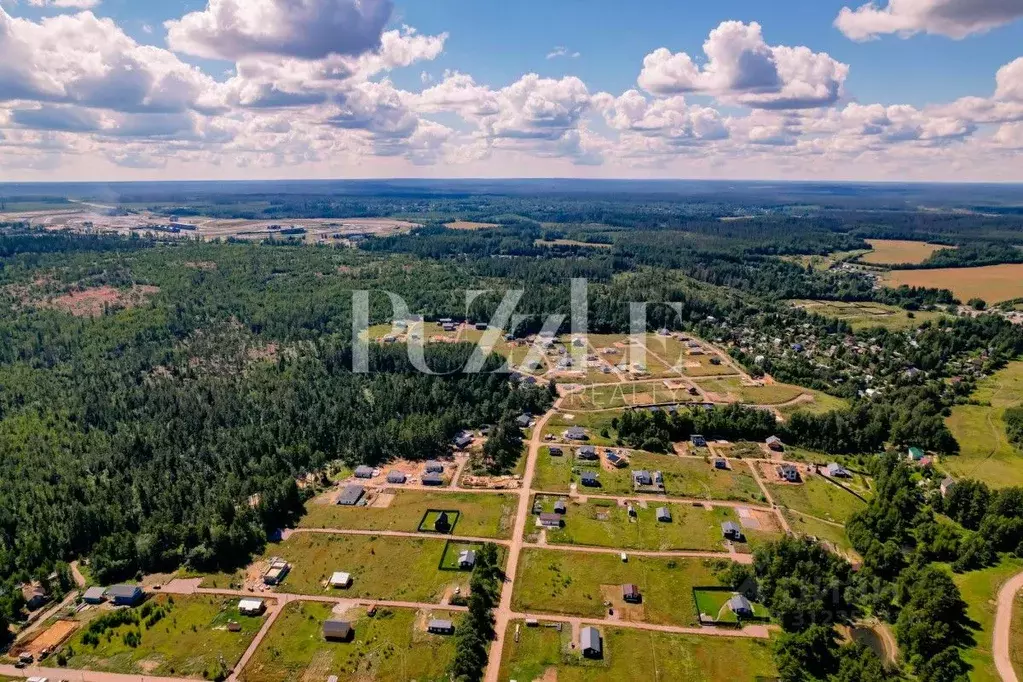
x: 1003, y: 627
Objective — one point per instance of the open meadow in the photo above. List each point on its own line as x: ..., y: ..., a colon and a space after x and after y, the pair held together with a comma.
x: 544, y: 653
x: 866, y: 315
x: 391, y: 645
x: 816, y: 496
x: 899, y: 252
x: 979, y: 590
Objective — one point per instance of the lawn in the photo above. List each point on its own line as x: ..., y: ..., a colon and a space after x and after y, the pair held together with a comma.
x: 405, y: 569
x: 818, y: 497
x: 805, y: 525
x: 485, y: 516
x: 633, y: 655
x: 603, y: 523
x: 570, y: 583
x: 979, y: 590
x: 992, y: 283
x: 899, y: 252
x: 553, y: 474
x: 683, y: 477
x: 713, y: 605
x: 869, y: 315
x: 625, y: 395
x: 985, y: 452
x: 392, y: 645
x: 732, y: 388
x: 593, y: 422
x: 189, y: 641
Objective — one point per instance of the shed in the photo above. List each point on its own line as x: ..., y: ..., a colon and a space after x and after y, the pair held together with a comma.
x: 433, y: 479
x: 94, y: 595
x: 125, y: 595
x: 463, y: 440
x: 251, y: 607
x: 630, y: 593
x: 434, y: 467
x: 440, y: 627
x: 340, y: 579
x: 556, y: 452
x: 731, y: 530
x: 589, y: 479
x: 466, y: 559
x: 338, y: 630
x: 590, y: 643
x: 350, y: 495
x: 740, y: 606
x: 720, y: 463
x: 523, y: 421
x: 946, y: 485
x: 586, y: 452
x: 363, y: 472
x: 550, y: 520
x: 396, y: 477
x: 560, y: 507
x: 664, y: 514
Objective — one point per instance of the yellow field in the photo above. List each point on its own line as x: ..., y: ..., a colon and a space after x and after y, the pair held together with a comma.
x: 867, y: 315
x: 899, y: 252
x: 992, y: 283
x: 469, y: 225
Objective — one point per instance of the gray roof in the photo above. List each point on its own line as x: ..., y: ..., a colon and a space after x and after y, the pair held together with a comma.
x: 364, y: 472
x: 730, y: 527
x: 336, y: 628
x: 351, y: 495
x: 467, y: 556
x: 663, y: 513
x: 94, y: 593
x: 589, y: 638
x: 440, y: 624
x: 739, y: 604
x: 123, y: 591
x: 588, y: 476
x: 433, y: 478
x: 433, y: 466
x: 396, y: 477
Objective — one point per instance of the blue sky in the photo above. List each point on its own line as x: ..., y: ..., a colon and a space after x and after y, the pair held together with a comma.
x: 882, y: 92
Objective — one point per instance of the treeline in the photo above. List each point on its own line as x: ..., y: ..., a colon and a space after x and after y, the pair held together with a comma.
x: 1013, y: 418
x: 656, y: 431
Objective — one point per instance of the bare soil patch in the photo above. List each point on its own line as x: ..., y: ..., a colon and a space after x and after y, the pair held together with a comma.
x: 94, y: 301
x: 50, y: 638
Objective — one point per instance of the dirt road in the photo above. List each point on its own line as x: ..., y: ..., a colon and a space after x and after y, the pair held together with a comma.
x: 55, y: 674
x: 680, y: 553
x: 1003, y: 628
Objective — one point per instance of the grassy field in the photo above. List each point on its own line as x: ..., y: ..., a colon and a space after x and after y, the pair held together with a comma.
x: 824, y: 262
x: 603, y: 523
x: 404, y: 569
x: 633, y: 655
x: 553, y: 474
x: 593, y: 422
x: 485, y: 516
x: 985, y: 452
x: 805, y: 525
x: 992, y: 283
x: 979, y: 590
x: 559, y: 582
x: 899, y: 252
x: 817, y: 497
x: 868, y: 315
x: 625, y: 395
x: 1016, y: 635
x: 731, y: 388
x: 392, y: 645
x: 712, y: 604
x: 189, y: 641
x: 683, y: 477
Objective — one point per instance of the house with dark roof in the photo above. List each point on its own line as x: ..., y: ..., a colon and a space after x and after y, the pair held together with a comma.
x: 125, y: 595
x: 576, y: 433
x: 560, y: 507
x: 523, y: 421
x: 630, y: 594
x: 463, y: 440
x: 350, y: 495
x: 434, y: 467
x: 551, y: 520
x: 641, y: 477
x: 740, y: 606
x: 363, y: 472
x: 433, y: 479
x: 587, y: 453
x: 590, y: 643
x: 556, y: 452
x: 442, y: 524
x: 720, y: 463
x: 338, y: 630
x: 440, y: 627
x: 731, y: 531
x: 589, y: 479
x: 396, y: 477
x: 34, y: 595
x: 774, y: 443
x: 616, y: 460
x: 698, y: 441
x: 664, y: 515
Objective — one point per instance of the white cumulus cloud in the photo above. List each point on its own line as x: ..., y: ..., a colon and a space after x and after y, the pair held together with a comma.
x: 952, y: 18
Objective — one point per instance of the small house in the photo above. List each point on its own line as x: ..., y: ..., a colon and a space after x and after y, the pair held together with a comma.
x: 434, y: 467
x: 363, y: 472
x: 589, y: 479
x: 715, y: 361
x: 556, y: 452
x: 560, y: 507
x: 442, y: 524
x: 664, y: 515
x: 916, y: 454
x: 616, y: 460
x: 630, y: 594
x: 94, y: 595
x: 587, y: 453
x: 338, y: 630
x: 125, y: 595
x: 590, y: 644
x: 720, y: 463
x: 433, y: 479
x: 775, y: 444
x: 463, y: 440
x: 276, y: 572
x: 341, y: 579
x: 480, y: 326
x: 437, y: 626
x: 466, y: 559
x: 788, y: 472
x: 836, y: 471
x: 350, y: 495
x: 34, y: 595
x: 946, y: 486
x: 396, y: 477
x: 550, y: 520
x: 523, y: 421
x: 251, y: 607
x: 698, y: 441
x: 642, y: 478
x: 731, y: 531
x: 740, y: 606
x: 576, y: 433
